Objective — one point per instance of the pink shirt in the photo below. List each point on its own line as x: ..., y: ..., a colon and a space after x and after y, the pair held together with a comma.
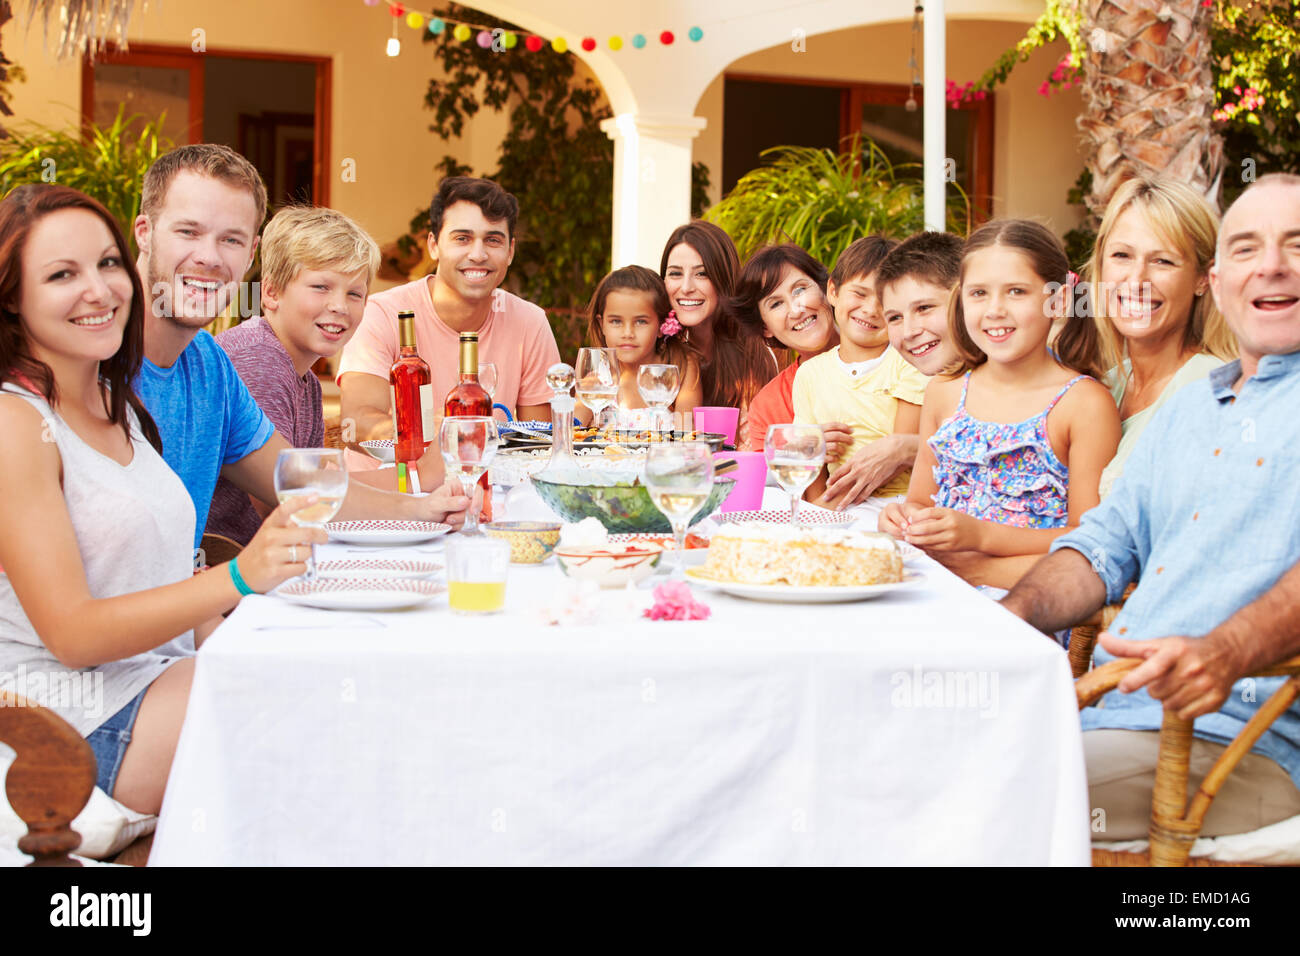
x: 516, y: 338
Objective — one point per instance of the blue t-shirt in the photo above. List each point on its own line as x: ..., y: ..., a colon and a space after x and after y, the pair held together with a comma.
x: 206, y: 418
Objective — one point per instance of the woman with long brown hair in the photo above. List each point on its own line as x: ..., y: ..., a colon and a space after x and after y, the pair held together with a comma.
x: 96, y: 532
x: 700, y: 266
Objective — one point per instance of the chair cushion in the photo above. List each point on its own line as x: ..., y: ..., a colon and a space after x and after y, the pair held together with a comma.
x: 106, y: 827
x: 1277, y: 844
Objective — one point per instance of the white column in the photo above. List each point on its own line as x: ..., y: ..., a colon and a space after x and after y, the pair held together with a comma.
x: 933, y: 119
x: 652, y: 182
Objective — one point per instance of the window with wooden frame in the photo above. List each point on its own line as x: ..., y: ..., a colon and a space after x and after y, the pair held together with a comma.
x: 761, y: 111
x: 273, y: 108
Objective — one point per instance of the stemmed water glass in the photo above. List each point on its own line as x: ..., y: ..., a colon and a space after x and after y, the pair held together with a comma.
x: 312, y: 471
x: 679, y: 477
x: 468, y: 443
x: 658, y: 385
x: 487, y: 377
x: 795, y: 455
x: 596, y: 377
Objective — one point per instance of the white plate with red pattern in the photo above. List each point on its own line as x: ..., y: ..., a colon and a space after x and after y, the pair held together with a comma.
x: 360, y: 594
x: 806, y: 594
x: 382, y: 449
x: 385, y: 531
x: 377, y: 568
x: 810, y: 516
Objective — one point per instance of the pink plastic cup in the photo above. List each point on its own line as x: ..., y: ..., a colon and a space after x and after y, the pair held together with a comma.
x: 718, y: 419
x: 750, y: 475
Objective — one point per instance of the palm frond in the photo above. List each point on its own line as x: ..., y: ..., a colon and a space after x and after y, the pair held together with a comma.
x: 81, y: 26
x: 823, y: 200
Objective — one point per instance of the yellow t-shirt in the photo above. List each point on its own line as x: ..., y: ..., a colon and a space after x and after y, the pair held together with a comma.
x: 824, y: 391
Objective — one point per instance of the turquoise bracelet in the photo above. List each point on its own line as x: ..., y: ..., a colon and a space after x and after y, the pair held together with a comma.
x: 240, y: 584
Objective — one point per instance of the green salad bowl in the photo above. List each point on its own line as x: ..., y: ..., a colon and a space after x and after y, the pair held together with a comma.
x: 622, y: 508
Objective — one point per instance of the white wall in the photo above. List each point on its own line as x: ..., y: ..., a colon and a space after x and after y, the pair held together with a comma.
x: 378, y: 117
x: 1035, y: 155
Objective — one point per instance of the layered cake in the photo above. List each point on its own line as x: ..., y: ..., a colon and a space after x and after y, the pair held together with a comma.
x: 754, y: 553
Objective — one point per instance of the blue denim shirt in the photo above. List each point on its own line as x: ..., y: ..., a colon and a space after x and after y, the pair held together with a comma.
x: 1206, y: 517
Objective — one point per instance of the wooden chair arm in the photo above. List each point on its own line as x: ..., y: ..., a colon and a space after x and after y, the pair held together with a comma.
x: 1102, y: 680
x: 1083, y: 637
x: 50, y: 780
x: 1176, y: 821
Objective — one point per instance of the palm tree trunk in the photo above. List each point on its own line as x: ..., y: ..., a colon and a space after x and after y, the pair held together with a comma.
x: 1148, y: 95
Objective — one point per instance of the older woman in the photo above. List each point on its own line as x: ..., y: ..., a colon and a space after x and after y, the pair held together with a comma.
x: 1159, y: 327
x: 780, y: 301
x: 699, y: 267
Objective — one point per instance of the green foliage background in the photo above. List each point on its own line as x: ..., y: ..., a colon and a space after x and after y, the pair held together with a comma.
x: 109, y: 165
x: 555, y: 159
x: 823, y: 200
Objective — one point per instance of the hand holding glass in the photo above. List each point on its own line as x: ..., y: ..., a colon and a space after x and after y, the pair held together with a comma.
x: 312, y: 471
x: 468, y: 443
x: 795, y: 455
x: 679, y: 477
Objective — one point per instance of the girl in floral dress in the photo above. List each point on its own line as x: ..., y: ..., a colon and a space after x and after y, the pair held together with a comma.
x: 1014, y: 439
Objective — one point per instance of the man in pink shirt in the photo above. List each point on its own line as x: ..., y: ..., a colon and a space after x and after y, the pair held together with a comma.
x: 472, y: 224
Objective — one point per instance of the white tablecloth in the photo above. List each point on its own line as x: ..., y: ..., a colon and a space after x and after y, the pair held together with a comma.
x: 922, y: 727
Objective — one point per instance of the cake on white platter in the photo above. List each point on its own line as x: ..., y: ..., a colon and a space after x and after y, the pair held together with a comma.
x: 754, y: 553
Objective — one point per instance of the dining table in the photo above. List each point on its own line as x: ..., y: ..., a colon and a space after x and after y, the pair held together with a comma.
x: 924, y: 726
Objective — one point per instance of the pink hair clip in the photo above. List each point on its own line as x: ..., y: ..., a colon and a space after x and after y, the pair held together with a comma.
x: 670, y: 325
x: 1072, y: 278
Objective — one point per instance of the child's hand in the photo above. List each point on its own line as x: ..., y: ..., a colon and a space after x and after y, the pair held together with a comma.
x: 943, y: 529
x: 838, y: 437
x: 897, y: 517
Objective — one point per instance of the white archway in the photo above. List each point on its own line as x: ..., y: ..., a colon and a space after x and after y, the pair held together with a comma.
x: 653, y: 91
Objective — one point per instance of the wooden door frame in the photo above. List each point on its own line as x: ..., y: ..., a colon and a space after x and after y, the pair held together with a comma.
x: 854, y: 94
x: 182, y: 57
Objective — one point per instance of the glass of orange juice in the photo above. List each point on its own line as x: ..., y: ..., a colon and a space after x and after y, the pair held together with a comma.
x: 476, y: 574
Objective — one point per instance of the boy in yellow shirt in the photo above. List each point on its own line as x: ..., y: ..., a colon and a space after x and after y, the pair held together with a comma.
x: 864, y: 383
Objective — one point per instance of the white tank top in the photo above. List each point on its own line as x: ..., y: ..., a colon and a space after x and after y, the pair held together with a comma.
x: 135, y: 530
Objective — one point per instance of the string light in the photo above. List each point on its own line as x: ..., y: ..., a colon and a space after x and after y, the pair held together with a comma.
x: 486, y: 36
x: 910, y: 105
x: 394, y: 46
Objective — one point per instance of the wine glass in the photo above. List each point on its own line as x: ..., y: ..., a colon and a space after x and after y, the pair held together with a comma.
x: 312, y: 471
x: 679, y: 477
x: 487, y: 377
x: 596, y: 376
x: 795, y: 455
x: 468, y: 443
x: 658, y: 385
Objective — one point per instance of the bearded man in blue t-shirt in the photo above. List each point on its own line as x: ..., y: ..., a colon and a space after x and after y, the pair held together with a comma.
x: 200, y: 213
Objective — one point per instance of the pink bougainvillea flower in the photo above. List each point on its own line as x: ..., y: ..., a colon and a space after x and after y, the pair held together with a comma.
x: 674, y: 602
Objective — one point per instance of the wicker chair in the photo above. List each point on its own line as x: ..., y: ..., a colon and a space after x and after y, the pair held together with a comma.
x: 1176, y: 821
x: 218, y: 549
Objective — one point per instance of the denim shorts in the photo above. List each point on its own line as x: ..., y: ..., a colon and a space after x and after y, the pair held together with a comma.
x: 109, y: 741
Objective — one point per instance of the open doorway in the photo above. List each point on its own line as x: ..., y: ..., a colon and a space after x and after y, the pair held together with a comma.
x: 272, y: 108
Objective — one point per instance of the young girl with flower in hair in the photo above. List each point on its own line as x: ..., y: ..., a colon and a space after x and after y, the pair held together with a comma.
x: 1011, y: 451
x: 630, y: 313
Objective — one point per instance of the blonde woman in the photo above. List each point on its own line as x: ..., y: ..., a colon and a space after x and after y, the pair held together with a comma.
x: 1158, y: 324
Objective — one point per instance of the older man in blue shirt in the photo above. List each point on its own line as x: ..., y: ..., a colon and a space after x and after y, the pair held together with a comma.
x: 1207, y: 519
